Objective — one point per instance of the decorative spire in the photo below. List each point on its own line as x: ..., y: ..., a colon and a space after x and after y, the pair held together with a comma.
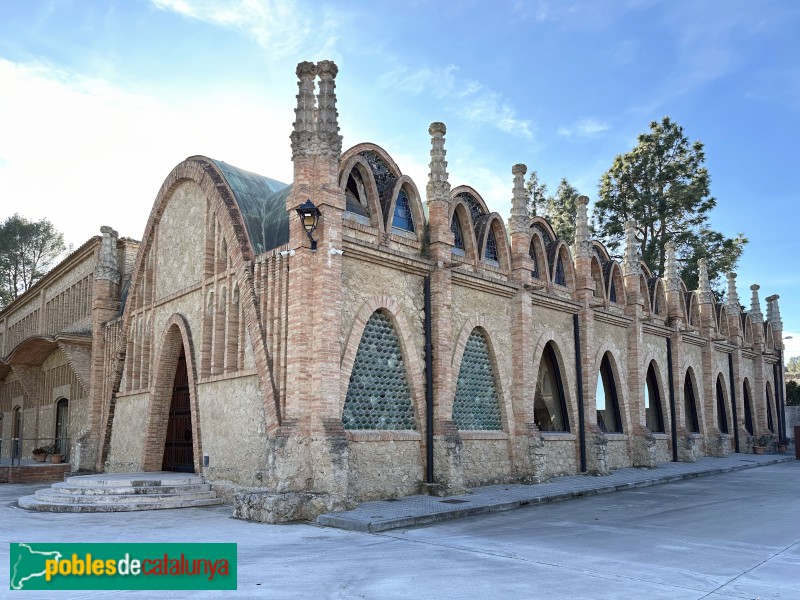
x: 732, y: 301
x: 303, y: 134
x: 107, y: 263
x: 330, y: 142
x: 673, y: 281
x: 704, y: 286
x: 438, y: 184
x: 519, y: 221
x: 755, y: 304
x: 583, y: 243
x: 774, y: 312
x: 630, y: 265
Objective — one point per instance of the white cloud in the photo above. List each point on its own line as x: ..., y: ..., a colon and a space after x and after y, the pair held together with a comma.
x: 584, y: 128
x: 280, y: 26
x: 467, y: 98
x: 792, y: 346
x: 84, y: 153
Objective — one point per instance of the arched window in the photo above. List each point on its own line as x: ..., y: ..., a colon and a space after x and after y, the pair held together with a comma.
x: 722, y: 418
x: 652, y: 403
x: 402, y: 213
x: 356, y: 195
x: 690, y: 406
x: 608, y: 418
x: 62, y: 426
x: 612, y: 292
x: 476, y: 405
x: 378, y: 396
x: 458, y: 236
x: 549, y: 404
x: 532, y: 254
x: 748, y: 412
x: 491, y: 249
x: 770, y: 422
x: 561, y: 277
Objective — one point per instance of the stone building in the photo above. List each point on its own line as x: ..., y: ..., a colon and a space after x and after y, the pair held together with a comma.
x: 411, y: 342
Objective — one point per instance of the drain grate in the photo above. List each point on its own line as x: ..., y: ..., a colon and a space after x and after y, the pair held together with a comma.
x: 453, y: 501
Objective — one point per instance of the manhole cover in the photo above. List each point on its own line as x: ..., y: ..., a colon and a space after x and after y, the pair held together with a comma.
x: 453, y: 501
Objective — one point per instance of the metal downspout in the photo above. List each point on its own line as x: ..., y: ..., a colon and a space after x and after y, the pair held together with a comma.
x: 733, y: 405
x: 579, y: 378
x: 428, y: 384
x: 672, y: 411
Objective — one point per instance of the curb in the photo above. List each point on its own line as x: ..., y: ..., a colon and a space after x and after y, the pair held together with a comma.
x: 429, y: 513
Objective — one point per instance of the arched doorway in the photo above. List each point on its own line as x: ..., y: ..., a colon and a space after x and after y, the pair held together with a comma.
x: 178, y: 446
x: 62, y: 426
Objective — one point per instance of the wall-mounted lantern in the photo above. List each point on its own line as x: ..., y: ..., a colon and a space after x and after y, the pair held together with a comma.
x: 309, y: 217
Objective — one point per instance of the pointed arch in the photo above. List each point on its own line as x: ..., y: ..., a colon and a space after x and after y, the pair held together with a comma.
x: 644, y: 290
x: 378, y: 394
x: 176, y: 338
x: 722, y: 403
x: 607, y: 401
x: 221, y: 200
x: 747, y: 327
x: 561, y: 267
x: 493, y: 241
x: 653, y: 406
x: 392, y: 309
x: 748, y: 406
x: 769, y: 337
x: 615, y: 285
x: 404, y: 211
x: 536, y: 250
x: 690, y: 413
x: 550, y: 411
x: 597, y: 277
x: 460, y: 211
x: 473, y: 201
x: 476, y: 405
x: 694, y: 309
x: 357, y: 179
x: 768, y: 397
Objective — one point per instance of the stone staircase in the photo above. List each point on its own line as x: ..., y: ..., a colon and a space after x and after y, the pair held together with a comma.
x: 113, y: 492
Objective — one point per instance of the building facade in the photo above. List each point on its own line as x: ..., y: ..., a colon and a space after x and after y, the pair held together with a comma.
x: 424, y: 344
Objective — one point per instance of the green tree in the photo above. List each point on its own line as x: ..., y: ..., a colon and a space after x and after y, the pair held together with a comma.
x: 537, y: 195
x: 663, y: 185
x: 560, y: 211
x: 793, y: 366
x: 792, y: 393
x: 28, y: 250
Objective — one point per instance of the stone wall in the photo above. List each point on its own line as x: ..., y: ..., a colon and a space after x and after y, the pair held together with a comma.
x: 383, y: 468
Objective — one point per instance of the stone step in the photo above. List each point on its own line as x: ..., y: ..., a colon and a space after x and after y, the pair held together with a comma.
x: 47, y: 495
x: 31, y: 503
x: 63, y: 487
x: 113, y: 492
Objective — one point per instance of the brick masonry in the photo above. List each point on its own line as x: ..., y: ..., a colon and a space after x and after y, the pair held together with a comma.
x: 271, y: 338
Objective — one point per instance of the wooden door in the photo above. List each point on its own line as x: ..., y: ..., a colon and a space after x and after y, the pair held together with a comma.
x: 178, y: 448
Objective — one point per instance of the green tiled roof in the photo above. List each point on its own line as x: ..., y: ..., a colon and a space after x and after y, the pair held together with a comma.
x: 262, y: 202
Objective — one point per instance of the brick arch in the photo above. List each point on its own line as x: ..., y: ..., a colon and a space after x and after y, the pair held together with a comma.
x: 541, y: 254
x: 478, y: 322
x: 414, y: 203
x: 620, y: 382
x: 176, y: 334
x: 549, y: 336
x: 414, y: 368
x: 662, y: 381
x: 471, y: 191
x: 460, y: 208
x: 560, y: 249
x: 494, y: 223
x: 203, y: 172
x: 358, y: 162
x: 365, y: 146
x: 615, y: 278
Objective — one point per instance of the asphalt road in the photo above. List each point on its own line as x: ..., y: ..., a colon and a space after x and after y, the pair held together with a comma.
x: 735, y: 535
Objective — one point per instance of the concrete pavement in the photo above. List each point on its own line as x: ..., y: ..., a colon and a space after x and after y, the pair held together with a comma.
x: 731, y: 535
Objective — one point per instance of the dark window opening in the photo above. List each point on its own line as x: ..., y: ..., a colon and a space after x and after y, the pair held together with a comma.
x: 491, y: 248
x: 458, y: 236
x: 549, y: 404
x: 652, y: 403
x: 690, y: 406
x: 722, y: 418
x: 608, y: 417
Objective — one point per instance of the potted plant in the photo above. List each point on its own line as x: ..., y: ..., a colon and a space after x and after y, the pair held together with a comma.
x: 782, y: 448
x: 763, y: 442
x: 40, y: 454
x: 55, y: 454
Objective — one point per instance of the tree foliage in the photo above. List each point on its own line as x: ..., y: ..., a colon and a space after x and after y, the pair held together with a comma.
x: 793, y: 366
x: 558, y: 209
x: 663, y: 185
x: 28, y: 250
x: 792, y: 393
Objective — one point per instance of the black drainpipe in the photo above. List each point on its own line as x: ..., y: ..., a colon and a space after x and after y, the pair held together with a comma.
x: 780, y: 399
x: 733, y: 404
x: 579, y: 378
x: 428, y: 384
x: 672, y: 411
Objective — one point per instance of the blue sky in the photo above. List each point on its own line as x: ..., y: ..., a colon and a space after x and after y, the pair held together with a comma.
x: 99, y: 100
